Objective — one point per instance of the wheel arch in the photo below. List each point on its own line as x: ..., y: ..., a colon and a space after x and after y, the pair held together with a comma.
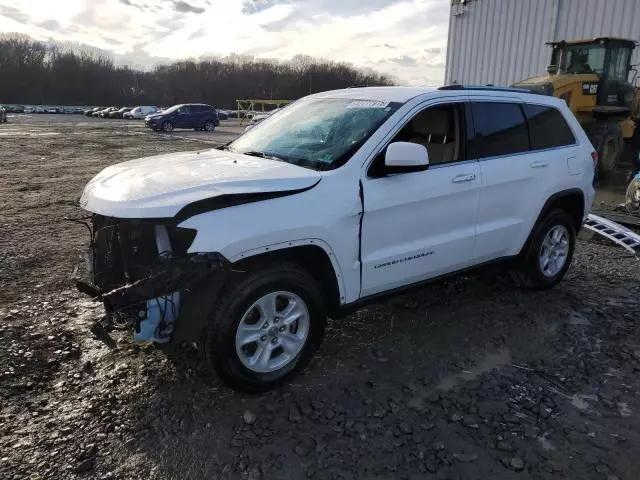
x: 314, y: 255
x: 571, y: 201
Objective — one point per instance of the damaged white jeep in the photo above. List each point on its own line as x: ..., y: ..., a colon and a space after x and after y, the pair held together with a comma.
x: 336, y: 199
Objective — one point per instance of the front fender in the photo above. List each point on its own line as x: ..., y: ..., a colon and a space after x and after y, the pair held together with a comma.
x: 308, y: 218
x: 299, y: 243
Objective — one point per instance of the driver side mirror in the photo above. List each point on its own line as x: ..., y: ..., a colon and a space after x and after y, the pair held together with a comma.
x: 405, y: 157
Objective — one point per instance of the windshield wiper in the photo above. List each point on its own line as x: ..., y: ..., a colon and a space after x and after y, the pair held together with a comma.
x: 256, y: 153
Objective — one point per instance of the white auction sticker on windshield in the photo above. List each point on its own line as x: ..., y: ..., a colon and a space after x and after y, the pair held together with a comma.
x: 367, y: 104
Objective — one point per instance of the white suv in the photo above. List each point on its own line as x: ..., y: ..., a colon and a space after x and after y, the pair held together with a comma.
x: 339, y: 198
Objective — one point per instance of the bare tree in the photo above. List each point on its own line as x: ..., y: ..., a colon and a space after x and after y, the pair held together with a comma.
x: 37, y: 73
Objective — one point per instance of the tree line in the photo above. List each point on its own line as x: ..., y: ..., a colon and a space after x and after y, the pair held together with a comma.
x: 36, y: 73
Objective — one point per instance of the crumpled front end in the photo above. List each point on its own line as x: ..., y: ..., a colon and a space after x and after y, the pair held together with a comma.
x: 141, y: 271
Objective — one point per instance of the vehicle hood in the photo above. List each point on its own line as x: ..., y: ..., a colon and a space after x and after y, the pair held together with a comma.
x: 160, y: 186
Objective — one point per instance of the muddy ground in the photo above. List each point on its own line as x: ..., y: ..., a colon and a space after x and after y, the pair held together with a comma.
x: 465, y: 379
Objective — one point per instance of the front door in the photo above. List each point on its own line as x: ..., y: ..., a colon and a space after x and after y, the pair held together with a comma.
x: 420, y: 225
x: 183, y: 117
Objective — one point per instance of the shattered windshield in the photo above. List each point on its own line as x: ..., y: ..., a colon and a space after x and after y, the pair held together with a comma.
x: 320, y: 133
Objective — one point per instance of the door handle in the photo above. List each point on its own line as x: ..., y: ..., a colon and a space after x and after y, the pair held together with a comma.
x: 539, y: 164
x: 464, y: 177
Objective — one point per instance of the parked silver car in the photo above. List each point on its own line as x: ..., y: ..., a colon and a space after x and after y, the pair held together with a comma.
x: 140, y: 112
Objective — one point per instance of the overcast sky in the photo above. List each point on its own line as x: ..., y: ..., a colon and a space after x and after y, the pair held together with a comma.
x: 405, y: 38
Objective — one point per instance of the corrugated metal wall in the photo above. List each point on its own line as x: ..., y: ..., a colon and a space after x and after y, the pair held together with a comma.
x: 503, y: 41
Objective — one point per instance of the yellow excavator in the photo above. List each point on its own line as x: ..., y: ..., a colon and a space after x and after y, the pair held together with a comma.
x: 592, y: 76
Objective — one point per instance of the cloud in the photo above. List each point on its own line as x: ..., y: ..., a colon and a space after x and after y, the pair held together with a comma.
x: 139, y: 58
x: 315, y: 10
x: 14, y: 14
x: 403, y: 38
x: 249, y: 7
x: 184, y: 7
x: 140, y: 6
x: 334, y: 7
x: 200, y: 32
x: 405, y: 60
x: 52, y: 25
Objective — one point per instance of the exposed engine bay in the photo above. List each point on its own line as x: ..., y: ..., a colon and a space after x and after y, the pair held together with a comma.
x: 141, y: 271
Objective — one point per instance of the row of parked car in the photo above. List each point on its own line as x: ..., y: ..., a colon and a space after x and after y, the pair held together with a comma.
x: 141, y: 112
x: 130, y: 113
x: 43, y: 109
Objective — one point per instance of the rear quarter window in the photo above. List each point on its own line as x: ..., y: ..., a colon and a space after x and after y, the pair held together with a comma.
x: 500, y: 129
x: 547, y: 127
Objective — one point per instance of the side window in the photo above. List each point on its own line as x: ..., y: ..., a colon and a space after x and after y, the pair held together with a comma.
x: 547, y: 127
x: 438, y: 128
x: 501, y: 129
x: 184, y: 109
x: 196, y: 108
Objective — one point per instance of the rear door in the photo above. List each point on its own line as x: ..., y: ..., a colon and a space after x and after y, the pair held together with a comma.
x: 510, y: 177
x: 197, y: 115
x: 560, y: 164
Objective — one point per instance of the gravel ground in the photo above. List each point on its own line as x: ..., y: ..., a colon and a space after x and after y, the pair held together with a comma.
x: 465, y: 379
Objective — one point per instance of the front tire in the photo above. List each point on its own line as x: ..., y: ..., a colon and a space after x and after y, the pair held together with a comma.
x: 167, y: 127
x: 549, y: 252
x: 266, y: 327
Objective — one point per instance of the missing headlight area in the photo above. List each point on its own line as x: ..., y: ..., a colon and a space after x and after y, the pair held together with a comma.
x: 142, y: 273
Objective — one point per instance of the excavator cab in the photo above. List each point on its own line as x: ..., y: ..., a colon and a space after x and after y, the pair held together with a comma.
x: 593, y: 78
x: 607, y: 58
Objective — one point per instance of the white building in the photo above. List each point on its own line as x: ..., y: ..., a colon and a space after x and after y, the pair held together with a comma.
x: 503, y: 41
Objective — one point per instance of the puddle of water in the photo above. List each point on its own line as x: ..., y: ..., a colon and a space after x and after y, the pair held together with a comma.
x: 22, y: 133
x: 610, y: 194
x: 488, y: 363
x: 546, y: 444
x: 576, y: 318
x: 581, y: 402
x: 615, y: 302
x: 624, y: 409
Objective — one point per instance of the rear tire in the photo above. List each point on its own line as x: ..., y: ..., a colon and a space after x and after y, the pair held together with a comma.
x: 607, y: 139
x: 209, y: 126
x: 224, y: 347
x: 544, y: 263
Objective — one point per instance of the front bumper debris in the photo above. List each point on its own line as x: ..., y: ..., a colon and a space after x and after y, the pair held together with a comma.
x: 144, y: 277
x: 161, y: 280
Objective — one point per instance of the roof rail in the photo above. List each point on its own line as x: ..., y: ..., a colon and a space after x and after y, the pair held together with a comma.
x: 489, y: 87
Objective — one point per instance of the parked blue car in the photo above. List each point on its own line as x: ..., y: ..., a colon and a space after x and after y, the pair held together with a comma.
x: 198, y: 116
